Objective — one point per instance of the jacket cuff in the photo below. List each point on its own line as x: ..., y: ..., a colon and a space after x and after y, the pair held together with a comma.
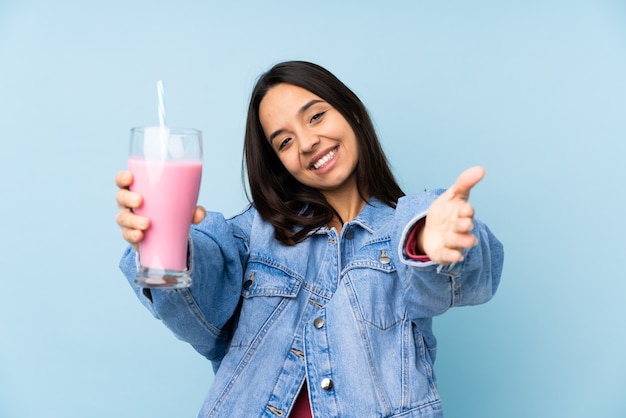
x: 408, y: 237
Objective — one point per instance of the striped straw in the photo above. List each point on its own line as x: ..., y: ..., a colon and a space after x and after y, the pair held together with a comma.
x: 161, y: 103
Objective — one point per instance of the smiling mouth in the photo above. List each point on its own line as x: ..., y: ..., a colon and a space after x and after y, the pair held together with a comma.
x: 325, y: 159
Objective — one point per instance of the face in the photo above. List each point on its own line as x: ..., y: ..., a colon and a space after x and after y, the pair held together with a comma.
x: 312, y: 139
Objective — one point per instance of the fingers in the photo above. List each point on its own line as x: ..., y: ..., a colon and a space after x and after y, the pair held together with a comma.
x: 447, y: 247
x: 125, y: 198
x: 199, y: 215
x: 466, y: 180
x: 131, y: 224
x: 444, y: 240
x: 463, y: 225
x: 460, y: 234
x: 128, y: 220
x: 133, y: 236
x: 124, y: 179
x: 448, y: 255
x: 464, y: 218
x: 450, y: 220
x: 459, y: 241
x: 452, y: 249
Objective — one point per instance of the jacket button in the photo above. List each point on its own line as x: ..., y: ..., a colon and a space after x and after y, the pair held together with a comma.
x: 318, y: 323
x: 327, y: 384
x: 248, y: 283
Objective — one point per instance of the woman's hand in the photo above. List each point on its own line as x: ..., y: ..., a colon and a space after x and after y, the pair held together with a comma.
x: 449, y: 221
x: 133, y: 226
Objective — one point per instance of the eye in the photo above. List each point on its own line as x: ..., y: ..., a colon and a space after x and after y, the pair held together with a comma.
x: 317, y: 117
x: 284, y: 143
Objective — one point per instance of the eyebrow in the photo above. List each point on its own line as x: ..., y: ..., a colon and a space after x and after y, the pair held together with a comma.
x: 303, y: 109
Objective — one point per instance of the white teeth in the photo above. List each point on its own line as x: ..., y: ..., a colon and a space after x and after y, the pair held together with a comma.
x: 322, y: 161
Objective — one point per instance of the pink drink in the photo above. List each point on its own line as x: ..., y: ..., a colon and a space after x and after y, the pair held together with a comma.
x: 170, y: 193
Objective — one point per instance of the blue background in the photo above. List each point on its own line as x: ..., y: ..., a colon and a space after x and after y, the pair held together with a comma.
x: 533, y: 90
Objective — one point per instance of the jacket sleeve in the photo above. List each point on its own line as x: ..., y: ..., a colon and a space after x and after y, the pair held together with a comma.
x: 201, y: 314
x: 431, y: 289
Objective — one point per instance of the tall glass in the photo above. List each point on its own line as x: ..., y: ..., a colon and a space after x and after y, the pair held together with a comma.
x: 167, y: 166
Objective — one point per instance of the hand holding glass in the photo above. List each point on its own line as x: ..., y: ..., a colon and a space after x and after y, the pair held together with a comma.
x: 167, y: 166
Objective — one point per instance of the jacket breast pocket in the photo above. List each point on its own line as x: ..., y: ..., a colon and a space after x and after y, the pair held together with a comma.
x: 267, y: 288
x: 374, y: 288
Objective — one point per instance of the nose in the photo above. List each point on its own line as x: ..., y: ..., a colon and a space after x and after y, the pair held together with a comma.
x: 308, y: 142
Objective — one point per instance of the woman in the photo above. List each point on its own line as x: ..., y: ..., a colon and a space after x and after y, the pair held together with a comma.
x: 317, y: 299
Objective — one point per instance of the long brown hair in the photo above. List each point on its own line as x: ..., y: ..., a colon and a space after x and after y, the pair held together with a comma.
x: 294, y: 209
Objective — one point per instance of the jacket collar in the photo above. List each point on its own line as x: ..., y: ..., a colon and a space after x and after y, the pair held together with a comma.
x: 373, y: 214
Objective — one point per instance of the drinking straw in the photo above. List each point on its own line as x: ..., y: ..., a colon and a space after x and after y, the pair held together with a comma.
x: 161, y: 103
x: 163, y: 132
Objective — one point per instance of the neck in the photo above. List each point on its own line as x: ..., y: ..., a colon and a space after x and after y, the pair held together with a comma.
x: 347, y: 202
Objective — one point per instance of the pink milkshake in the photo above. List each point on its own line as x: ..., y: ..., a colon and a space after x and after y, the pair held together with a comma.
x: 170, y: 192
x: 167, y: 166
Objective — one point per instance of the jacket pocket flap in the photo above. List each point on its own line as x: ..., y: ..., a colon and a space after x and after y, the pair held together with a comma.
x: 265, y: 277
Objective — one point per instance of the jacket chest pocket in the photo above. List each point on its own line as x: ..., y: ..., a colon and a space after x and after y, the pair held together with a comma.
x: 267, y: 288
x: 374, y: 288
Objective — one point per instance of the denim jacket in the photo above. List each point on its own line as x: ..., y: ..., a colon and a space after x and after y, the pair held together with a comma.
x: 349, y: 313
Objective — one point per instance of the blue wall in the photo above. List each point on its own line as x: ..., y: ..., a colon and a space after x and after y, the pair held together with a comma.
x: 533, y: 90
